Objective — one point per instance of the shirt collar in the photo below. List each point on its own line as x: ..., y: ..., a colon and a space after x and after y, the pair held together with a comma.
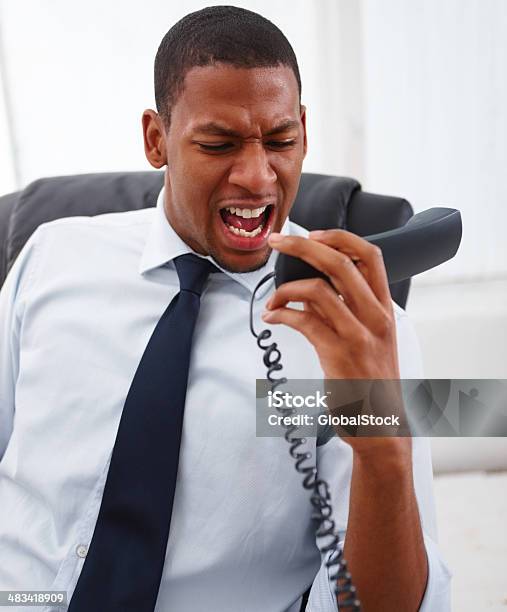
x: 163, y: 245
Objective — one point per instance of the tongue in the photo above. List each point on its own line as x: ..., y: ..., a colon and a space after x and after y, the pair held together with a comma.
x: 240, y: 222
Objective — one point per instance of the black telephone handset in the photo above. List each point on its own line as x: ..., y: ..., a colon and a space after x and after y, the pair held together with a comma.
x: 427, y: 240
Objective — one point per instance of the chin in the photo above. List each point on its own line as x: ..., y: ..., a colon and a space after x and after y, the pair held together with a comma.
x: 242, y: 263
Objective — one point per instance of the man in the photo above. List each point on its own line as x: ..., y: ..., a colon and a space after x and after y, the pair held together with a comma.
x: 78, y: 310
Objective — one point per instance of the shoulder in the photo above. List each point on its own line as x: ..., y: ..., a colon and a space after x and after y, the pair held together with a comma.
x: 129, y: 220
x: 81, y: 246
x: 94, y: 236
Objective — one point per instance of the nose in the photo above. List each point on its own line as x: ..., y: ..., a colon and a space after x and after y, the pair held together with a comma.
x: 251, y: 169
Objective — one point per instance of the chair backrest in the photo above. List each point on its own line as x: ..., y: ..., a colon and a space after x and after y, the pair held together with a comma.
x: 322, y: 202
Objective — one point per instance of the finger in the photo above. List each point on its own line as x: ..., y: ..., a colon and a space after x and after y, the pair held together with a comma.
x: 319, y: 293
x: 303, y: 321
x: 314, y: 308
x: 368, y: 259
x: 337, y: 266
x: 342, y: 273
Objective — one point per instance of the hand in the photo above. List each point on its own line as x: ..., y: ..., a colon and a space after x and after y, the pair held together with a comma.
x: 350, y: 323
x: 352, y: 326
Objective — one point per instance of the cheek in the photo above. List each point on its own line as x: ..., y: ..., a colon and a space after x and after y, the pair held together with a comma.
x: 194, y: 185
x: 287, y: 167
x: 288, y: 171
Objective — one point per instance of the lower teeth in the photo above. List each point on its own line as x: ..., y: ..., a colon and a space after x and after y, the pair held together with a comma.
x: 242, y: 232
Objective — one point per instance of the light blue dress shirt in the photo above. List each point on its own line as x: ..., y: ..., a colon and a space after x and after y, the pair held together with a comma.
x: 76, y: 313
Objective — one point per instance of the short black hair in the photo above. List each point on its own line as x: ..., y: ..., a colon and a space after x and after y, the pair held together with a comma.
x: 226, y: 34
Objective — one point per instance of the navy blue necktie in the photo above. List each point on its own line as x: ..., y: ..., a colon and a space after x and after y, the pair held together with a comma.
x: 123, y: 567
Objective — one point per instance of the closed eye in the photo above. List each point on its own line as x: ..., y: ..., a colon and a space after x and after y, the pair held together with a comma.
x: 277, y: 144
x: 281, y: 144
x: 220, y: 147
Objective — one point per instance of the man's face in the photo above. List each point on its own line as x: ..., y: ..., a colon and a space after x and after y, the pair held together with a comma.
x: 235, y: 149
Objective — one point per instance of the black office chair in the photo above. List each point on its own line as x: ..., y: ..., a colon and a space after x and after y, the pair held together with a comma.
x: 322, y: 202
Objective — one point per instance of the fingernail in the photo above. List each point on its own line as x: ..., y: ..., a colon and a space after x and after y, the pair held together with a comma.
x: 269, y: 303
x: 267, y: 316
x: 317, y: 233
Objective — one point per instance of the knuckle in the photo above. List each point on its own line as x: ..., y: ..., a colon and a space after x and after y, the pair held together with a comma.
x: 385, y: 324
x: 306, y: 318
x: 377, y: 251
x: 317, y: 285
x: 309, y: 323
x: 363, y: 340
x: 343, y: 260
x: 338, y: 233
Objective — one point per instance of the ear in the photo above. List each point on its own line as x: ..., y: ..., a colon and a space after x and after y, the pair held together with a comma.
x: 154, y: 139
x: 303, y: 121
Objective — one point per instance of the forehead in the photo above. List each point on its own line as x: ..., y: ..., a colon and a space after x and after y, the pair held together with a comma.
x: 242, y: 98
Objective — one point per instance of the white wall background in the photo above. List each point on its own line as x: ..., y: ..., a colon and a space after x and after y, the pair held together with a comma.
x: 409, y: 97
x: 436, y: 120
x: 8, y: 180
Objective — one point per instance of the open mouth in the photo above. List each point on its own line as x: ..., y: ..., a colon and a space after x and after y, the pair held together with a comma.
x: 247, y: 228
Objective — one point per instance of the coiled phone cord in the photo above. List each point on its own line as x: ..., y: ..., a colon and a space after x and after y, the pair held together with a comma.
x: 321, y: 496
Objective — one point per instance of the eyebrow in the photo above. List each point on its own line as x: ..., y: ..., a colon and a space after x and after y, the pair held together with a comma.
x: 219, y: 130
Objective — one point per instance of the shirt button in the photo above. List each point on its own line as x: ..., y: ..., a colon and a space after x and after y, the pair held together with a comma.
x: 81, y: 550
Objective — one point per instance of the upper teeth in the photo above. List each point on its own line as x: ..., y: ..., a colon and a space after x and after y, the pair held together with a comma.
x: 246, y: 213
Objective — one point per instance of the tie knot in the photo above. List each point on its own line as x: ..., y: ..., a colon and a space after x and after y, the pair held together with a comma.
x: 193, y: 272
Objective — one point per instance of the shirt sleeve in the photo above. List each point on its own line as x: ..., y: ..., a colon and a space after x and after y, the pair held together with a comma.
x: 12, y: 295
x: 334, y: 463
